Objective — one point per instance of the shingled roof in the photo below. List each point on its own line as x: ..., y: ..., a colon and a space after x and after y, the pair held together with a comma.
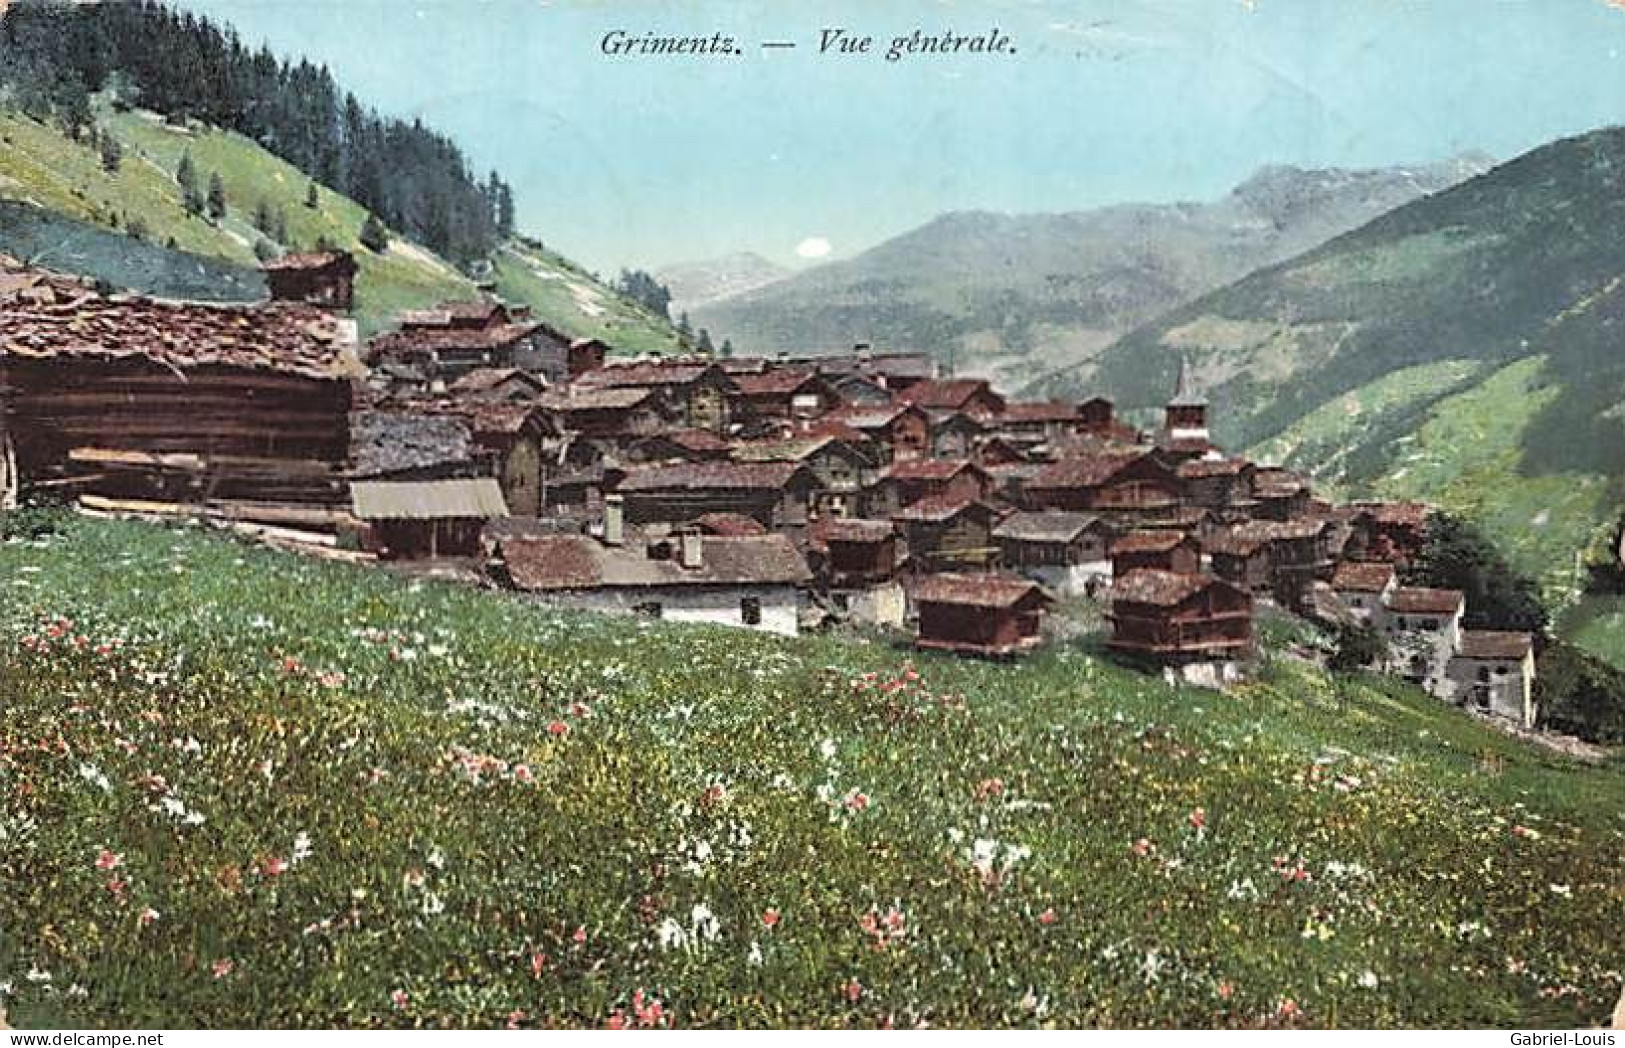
x: 975, y: 590
x: 47, y: 316
x: 772, y: 382
x: 1041, y: 526
x: 1354, y: 576
x: 1163, y: 589
x: 944, y: 394
x: 1149, y: 541
x: 936, y: 509
x: 1085, y: 471
x: 384, y: 442
x: 930, y: 469
x: 310, y: 261
x: 645, y: 373
x: 427, y: 499
x: 576, y: 562
x: 1417, y: 600
x: 723, y: 476
x: 1495, y: 644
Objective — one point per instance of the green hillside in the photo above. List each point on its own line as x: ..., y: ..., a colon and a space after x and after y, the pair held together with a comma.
x: 1463, y: 348
x: 241, y: 789
x: 41, y: 166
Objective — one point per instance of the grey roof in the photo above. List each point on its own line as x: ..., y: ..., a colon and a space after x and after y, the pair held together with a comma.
x: 384, y: 442
x: 1184, y: 395
x: 1029, y: 526
x: 577, y: 562
x: 428, y: 499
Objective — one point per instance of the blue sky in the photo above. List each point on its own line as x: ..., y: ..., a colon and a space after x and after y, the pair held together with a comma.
x: 622, y: 161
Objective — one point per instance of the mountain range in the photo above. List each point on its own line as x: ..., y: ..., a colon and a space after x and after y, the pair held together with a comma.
x: 697, y: 284
x: 1007, y: 295
x: 1463, y: 348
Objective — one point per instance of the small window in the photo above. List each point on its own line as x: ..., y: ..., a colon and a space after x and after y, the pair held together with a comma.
x: 651, y: 609
x: 1483, y: 674
x: 750, y: 611
x: 1430, y: 624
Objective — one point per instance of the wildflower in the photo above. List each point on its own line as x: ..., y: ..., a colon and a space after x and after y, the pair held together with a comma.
x: 1524, y: 831
x: 538, y: 961
x: 770, y: 918
x: 398, y: 998
x: 826, y: 749
x: 856, y: 800
x: 107, y: 860
x: 521, y: 773
x: 515, y: 1017
x: 1368, y: 979
x: 275, y: 866
x: 1143, y: 847
x: 671, y: 935
x: 704, y: 922
x: 558, y: 728
x: 223, y: 967
x: 754, y: 958
x: 1198, y: 819
x: 1287, y: 1008
x: 581, y: 935
x: 1227, y: 989
x: 148, y: 916
x: 1561, y: 889
x: 854, y: 990
x: 988, y: 788
x: 301, y: 848
x: 1048, y: 917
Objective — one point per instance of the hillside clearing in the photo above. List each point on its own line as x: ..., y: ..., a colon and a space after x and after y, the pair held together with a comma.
x: 263, y: 791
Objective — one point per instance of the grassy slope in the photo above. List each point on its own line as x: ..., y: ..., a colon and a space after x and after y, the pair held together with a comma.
x: 41, y: 165
x: 420, y: 879
x: 572, y: 299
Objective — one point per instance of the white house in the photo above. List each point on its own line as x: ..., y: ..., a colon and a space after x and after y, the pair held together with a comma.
x: 1494, y: 673
x: 1363, y: 587
x: 1423, y: 630
x: 750, y: 581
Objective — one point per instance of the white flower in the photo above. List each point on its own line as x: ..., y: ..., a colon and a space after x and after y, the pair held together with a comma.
x: 35, y: 975
x: 1368, y: 979
x: 193, y: 818
x: 704, y: 923
x: 1152, y: 966
x: 1561, y: 889
x: 754, y: 957
x: 437, y: 858
x: 93, y: 775
x: 671, y: 934
x: 1243, y: 890
x: 826, y: 749
x: 301, y: 848
x: 433, y: 905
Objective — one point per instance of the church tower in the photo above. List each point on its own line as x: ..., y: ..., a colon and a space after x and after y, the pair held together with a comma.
x: 1185, y: 417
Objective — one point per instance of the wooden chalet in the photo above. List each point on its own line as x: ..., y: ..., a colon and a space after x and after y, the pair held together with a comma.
x: 779, y: 495
x: 684, y: 445
x: 966, y: 396
x: 858, y: 390
x: 316, y: 278
x: 955, y: 435
x: 1395, y: 532
x: 890, y: 371
x: 414, y: 520
x: 608, y: 415
x: 1284, y: 558
x: 783, y: 393
x: 1175, y: 618
x: 1067, y: 552
x: 981, y: 614
x: 842, y: 472
x: 455, y: 338
x: 1161, y: 550
x: 1128, y: 486
x: 499, y: 384
x: 1217, y: 484
x: 902, y: 429
x: 1028, y: 424
x: 1279, y: 495
x: 944, y: 533
x: 915, y: 479
x: 1097, y: 417
x: 856, y: 552
x: 127, y: 397
x: 699, y: 392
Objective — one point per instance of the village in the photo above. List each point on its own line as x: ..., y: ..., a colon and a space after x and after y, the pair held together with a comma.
x: 861, y: 488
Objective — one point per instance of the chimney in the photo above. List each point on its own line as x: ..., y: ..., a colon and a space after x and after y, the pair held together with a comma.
x: 863, y: 352
x: 614, y: 520
x: 692, y: 549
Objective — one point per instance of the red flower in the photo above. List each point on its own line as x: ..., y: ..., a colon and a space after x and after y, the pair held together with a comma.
x: 1142, y: 847
x: 1226, y: 989
x: 558, y: 728
x: 398, y: 998
x: 107, y: 860
x: 223, y: 967
x: 538, y: 961
x: 770, y: 918
x: 522, y: 773
x: 515, y: 1017
x: 1198, y: 819
x: 581, y: 934
x: 275, y: 866
x: 854, y: 990
x: 857, y: 801
x: 1048, y: 917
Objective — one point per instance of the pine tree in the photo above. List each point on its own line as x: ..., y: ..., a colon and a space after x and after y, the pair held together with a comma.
x: 112, y: 154
x: 217, y: 196
x: 312, y: 198
x: 684, y: 328
x: 262, y: 217
x: 374, y: 237
x: 186, y: 178
x: 705, y: 345
x: 727, y: 350
x: 279, y: 226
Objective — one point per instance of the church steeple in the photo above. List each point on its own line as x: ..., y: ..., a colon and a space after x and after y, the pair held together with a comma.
x: 1185, y: 417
